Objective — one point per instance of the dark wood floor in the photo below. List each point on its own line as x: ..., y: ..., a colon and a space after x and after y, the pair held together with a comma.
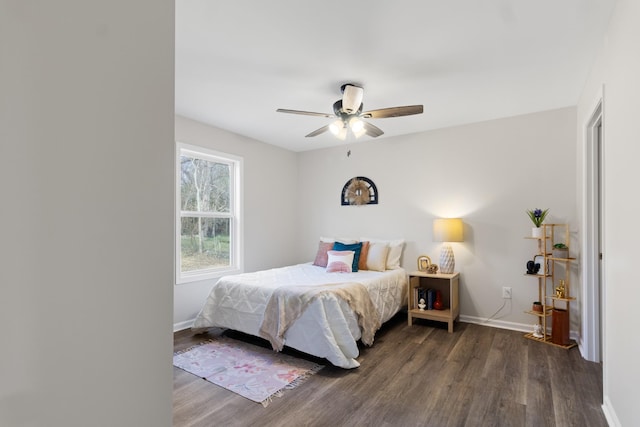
x: 416, y: 376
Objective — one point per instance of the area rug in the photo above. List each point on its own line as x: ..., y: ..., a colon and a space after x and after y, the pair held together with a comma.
x: 253, y: 372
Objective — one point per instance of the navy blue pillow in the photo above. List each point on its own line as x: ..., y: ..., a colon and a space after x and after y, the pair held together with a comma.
x: 355, y: 247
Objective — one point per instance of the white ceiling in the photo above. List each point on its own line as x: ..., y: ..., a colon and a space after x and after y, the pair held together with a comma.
x: 466, y: 61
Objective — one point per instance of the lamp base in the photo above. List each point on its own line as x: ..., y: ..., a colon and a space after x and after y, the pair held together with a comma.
x: 447, y: 261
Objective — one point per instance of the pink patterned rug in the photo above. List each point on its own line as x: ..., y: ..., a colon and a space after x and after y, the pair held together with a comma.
x: 254, y: 372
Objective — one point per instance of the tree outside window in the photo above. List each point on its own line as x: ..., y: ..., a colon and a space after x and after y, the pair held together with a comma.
x: 208, y: 218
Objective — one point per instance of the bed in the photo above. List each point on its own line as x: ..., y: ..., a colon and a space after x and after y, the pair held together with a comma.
x: 328, y: 326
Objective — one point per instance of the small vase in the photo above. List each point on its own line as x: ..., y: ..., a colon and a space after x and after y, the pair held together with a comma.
x: 536, y: 232
x: 437, y: 304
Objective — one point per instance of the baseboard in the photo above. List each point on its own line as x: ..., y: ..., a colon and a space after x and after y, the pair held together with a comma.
x: 583, y: 350
x: 183, y: 325
x: 500, y: 324
x: 610, y: 413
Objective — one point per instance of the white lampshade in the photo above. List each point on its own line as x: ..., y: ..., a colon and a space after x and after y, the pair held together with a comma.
x: 447, y: 230
x: 351, y: 98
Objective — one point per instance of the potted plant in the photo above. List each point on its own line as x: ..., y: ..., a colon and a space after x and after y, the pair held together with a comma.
x: 560, y: 250
x: 537, y: 216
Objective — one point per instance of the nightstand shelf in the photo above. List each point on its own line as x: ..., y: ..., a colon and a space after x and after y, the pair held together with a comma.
x: 439, y: 315
x: 447, y: 284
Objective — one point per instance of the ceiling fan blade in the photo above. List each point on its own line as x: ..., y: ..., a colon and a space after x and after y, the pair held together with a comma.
x: 304, y: 113
x: 382, y: 113
x: 371, y: 130
x: 317, y: 132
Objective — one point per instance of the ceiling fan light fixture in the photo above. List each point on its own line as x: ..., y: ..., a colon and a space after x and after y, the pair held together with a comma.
x: 349, y: 115
x: 356, y: 125
x: 336, y: 126
x: 339, y: 129
x: 351, y: 98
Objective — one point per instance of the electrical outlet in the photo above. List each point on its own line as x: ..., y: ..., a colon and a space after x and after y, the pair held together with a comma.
x: 506, y: 292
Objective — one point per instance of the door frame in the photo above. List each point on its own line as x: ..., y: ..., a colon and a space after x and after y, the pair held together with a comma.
x: 593, y: 235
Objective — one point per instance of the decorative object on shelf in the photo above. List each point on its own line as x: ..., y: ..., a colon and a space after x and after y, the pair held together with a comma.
x: 560, y: 327
x: 532, y: 267
x: 537, y: 307
x: 447, y: 230
x: 560, y: 250
x: 438, y: 304
x: 423, y: 263
x: 536, y: 232
x: 421, y: 304
x: 537, y: 330
x: 537, y: 216
x: 358, y: 191
x: 560, y: 290
x: 540, y: 260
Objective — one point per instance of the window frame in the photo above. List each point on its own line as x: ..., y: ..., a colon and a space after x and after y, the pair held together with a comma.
x: 235, y: 214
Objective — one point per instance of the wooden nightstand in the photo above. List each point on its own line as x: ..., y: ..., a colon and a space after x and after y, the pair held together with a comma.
x: 447, y: 284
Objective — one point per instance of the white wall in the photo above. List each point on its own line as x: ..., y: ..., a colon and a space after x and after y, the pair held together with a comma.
x: 488, y: 173
x: 269, y: 207
x: 618, y: 69
x: 86, y: 160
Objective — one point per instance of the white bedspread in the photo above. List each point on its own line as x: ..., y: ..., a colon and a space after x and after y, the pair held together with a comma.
x: 328, y: 328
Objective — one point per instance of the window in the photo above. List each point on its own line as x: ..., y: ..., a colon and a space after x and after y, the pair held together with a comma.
x: 208, y: 214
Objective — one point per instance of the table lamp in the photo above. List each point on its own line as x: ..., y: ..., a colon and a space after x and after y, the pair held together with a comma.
x: 447, y: 230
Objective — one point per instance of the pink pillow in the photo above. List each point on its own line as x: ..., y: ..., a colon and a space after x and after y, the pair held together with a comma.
x: 322, y: 257
x: 340, y: 261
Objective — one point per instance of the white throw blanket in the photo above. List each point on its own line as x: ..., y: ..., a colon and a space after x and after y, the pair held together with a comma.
x: 288, y: 303
x: 328, y: 328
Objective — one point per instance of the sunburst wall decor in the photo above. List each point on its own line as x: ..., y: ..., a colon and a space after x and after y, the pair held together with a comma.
x: 359, y: 190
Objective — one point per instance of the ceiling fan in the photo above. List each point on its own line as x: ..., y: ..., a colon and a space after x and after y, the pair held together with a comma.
x: 349, y: 114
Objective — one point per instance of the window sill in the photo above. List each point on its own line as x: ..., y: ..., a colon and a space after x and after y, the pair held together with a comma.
x: 202, y: 277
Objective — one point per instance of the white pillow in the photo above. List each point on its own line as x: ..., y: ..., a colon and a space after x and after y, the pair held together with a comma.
x: 340, y: 261
x: 377, y: 256
x: 395, y: 251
